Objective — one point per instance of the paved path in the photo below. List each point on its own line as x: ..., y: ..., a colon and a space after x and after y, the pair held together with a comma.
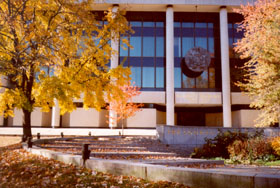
x: 78, y: 131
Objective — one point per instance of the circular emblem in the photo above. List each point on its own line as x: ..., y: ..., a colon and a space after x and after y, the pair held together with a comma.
x: 197, y: 59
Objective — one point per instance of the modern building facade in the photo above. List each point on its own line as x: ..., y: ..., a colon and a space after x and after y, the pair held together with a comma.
x: 165, y: 32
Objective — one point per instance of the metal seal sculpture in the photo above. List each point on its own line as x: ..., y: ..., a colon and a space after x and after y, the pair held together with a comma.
x: 195, y: 62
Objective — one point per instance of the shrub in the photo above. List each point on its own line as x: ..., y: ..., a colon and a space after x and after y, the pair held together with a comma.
x: 217, y: 147
x: 275, y: 144
x: 251, y: 149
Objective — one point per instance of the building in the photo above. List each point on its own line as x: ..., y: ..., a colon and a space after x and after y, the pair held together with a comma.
x: 165, y: 31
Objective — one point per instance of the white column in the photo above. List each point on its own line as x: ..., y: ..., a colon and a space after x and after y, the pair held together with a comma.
x: 114, y: 64
x: 170, y: 66
x: 55, y: 115
x: 225, y: 68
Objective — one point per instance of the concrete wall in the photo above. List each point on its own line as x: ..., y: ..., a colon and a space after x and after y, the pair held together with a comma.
x: 245, y: 118
x: 38, y: 118
x: 198, y: 98
x: 195, y: 136
x: 85, y: 118
x: 147, y: 117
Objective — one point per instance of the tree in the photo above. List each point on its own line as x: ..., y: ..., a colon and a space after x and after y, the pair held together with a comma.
x: 261, y: 45
x: 123, y: 105
x: 57, y: 49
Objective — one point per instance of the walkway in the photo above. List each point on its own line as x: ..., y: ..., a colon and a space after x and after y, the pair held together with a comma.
x: 78, y: 131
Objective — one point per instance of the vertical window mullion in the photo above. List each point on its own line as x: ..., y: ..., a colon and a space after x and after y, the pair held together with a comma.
x: 142, y: 54
x: 181, y: 51
x: 155, y: 51
x: 194, y: 35
x: 208, y: 80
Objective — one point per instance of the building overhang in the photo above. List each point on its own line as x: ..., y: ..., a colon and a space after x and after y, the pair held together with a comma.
x: 178, y: 5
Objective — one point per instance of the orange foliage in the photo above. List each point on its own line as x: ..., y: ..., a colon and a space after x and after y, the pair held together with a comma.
x: 123, y: 106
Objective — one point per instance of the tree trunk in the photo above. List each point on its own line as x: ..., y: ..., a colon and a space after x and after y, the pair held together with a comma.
x: 26, y: 124
x: 122, y: 127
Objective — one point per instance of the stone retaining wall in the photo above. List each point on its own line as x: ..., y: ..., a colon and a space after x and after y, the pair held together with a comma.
x: 191, y: 136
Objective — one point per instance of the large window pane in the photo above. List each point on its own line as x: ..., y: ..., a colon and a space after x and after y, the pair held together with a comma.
x: 159, y: 47
x: 188, y: 24
x: 160, y: 77
x: 135, y: 42
x: 187, y: 44
x: 202, y: 80
x: 201, y: 42
x: 136, y: 75
x: 201, y: 25
x: 177, y: 77
x: 148, y: 46
x: 136, y: 24
x: 159, y: 24
x: 160, y: 72
x: 148, y: 24
x: 148, y: 77
x: 123, y: 48
x: 177, y: 47
x: 188, y: 82
x: 211, y: 46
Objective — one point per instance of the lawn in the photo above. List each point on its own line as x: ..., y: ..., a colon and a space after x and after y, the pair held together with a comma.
x: 19, y: 168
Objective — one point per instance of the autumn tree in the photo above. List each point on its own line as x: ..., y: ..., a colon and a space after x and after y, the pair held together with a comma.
x: 123, y: 105
x: 261, y: 45
x: 57, y: 49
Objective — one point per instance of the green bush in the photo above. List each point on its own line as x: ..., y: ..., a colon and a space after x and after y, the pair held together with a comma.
x: 217, y: 147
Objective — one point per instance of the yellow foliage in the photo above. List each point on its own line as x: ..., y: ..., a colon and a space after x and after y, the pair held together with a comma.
x: 275, y: 143
x: 57, y: 49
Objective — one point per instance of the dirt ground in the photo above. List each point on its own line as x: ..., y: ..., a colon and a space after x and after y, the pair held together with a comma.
x: 9, y: 140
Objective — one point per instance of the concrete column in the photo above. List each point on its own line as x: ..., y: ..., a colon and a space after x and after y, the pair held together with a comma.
x: 170, y: 65
x: 225, y: 68
x: 114, y: 64
x: 55, y: 115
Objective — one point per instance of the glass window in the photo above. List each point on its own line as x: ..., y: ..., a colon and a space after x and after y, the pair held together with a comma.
x: 160, y: 72
x: 136, y: 24
x: 202, y: 80
x: 148, y: 24
x: 187, y: 44
x: 148, y: 77
x: 177, y: 24
x: 188, y: 82
x: 210, y: 25
x: 211, y: 46
x: 123, y: 48
x: 148, y: 46
x: 160, y: 77
x: 192, y: 34
x: 188, y: 24
x: 177, y: 47
x: 201, y: 42
x: 135, y: 42
x: 136, y: 75
x: 159, y: 47
x: 159, y: 24
x: 177, y: 77
x: 201, y: 25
